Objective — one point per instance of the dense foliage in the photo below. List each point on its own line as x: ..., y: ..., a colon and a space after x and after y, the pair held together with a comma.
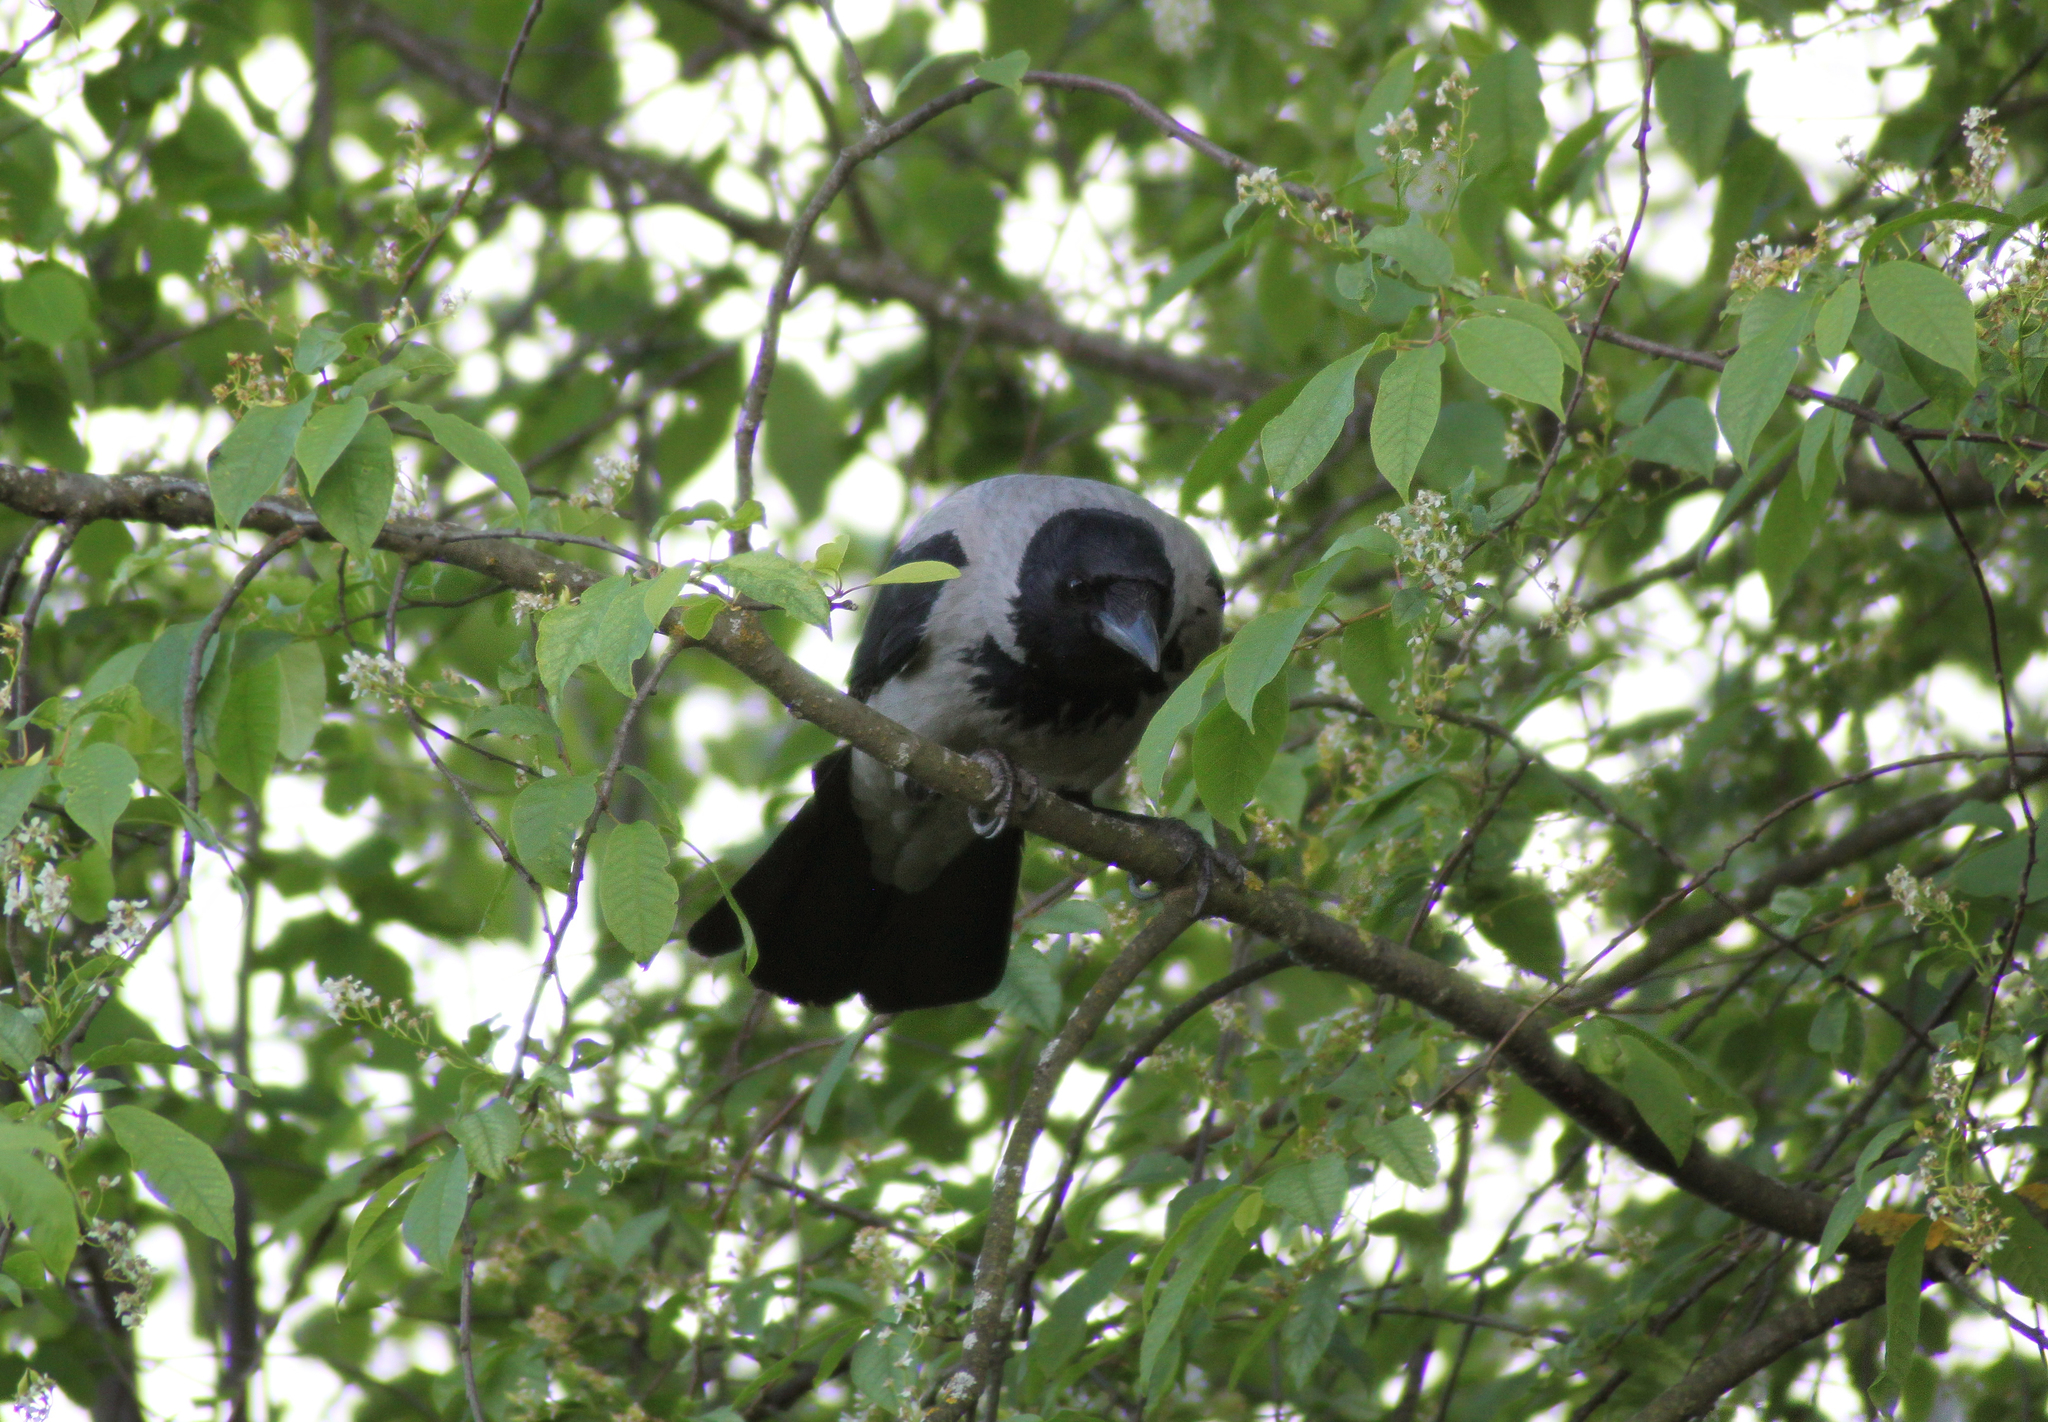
x: 1626, y: 729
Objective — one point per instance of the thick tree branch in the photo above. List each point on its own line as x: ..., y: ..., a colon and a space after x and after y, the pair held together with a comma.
x: 1860, y: 1290
x: 1319, y: 941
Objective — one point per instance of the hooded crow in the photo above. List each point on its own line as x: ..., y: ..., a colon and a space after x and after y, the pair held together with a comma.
x: 1079, y: 607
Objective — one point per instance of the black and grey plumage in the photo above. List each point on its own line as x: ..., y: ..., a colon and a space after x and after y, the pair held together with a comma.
x: 1079, y: 607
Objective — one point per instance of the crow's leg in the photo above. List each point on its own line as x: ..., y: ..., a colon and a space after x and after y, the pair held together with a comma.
x: 1016, y: 792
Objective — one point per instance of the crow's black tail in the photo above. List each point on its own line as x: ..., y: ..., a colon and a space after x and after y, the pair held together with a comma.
x: 826, y: 928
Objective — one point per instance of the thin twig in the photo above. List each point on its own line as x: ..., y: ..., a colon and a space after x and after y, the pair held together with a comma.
x: 987, y: 1340
x: 755, y: 401
x: 464, y: 1340
x: 490, y: 151
x: 66, y: 534
x: 29, y: 43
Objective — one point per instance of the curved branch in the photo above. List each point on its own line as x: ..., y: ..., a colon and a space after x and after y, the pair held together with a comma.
x: 1318, y: 940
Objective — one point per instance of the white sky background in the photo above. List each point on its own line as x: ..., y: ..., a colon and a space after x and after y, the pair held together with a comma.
x: 1808, y: 97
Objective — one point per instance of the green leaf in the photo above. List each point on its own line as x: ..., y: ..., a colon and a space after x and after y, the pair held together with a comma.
x: 37, y: 1199
x: 1837, y: 319
x: 1163, y: 1320
x: 1028, y: 992
x: 1376, y: 663
x: 1230, y: 757
x: 1842, y: 1218
x: 19, y: 786
x: 317, y: 349
x: 1927, y: 310
x: 1993, y: 870
x: 1754, y: 381
x: 608, y: 625
x: 1405, y: 1145
x: 249, y: 462
x: 1415, y: 249
x: 302, y: 702
x: 1182, y: 709
x: 326, y: 434
x: 1220, y: 458
x: 1512, y: 357
x: 772, y: 579
x: 1311, y: 1322
x: 433, y: 1221
x: 1655, y: 1088
x: 21, y: 1041
x: 1006, y: 70
x: 547, y: 817
x: 1297, y: 440
x: 636, y: 891
x: 98, y: 782
x: 1682, y: 435
x: 1506, y: 119
x: 1795, y: 516
x: 75, y: 12
x: 489, y: 1137
x: 1904, y: 1275
x: 828, y: 1079
x: 1066, y: 1326
x: 1404, y: 415
x: 1068, y: 916
x: 924, y: 570
x: 1187, y: 273
x: 2022, y: 1261
x: 1313, y: 1191
x: 180, y: 1169
x: 1541, y: 318
x: 1697, y: 98
x: 1258, y: 653
x: 375, y: 1223
x: 246, y: 736
x: 51, y: 305
x: 479, y: 449
x: 1519, y: 917
x: 803, y: 437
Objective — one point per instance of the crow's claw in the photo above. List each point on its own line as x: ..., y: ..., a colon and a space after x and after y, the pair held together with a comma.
x: 1016, y: 792
x: 1197, y: 856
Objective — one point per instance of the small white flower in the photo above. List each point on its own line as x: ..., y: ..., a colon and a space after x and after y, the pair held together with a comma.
x: 1260, y: 187
x: 373, y: 675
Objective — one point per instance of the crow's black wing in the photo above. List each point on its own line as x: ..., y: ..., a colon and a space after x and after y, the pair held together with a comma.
x: 893, y: 640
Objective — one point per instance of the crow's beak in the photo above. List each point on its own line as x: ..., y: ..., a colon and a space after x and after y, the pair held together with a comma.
x: 1128, y: 623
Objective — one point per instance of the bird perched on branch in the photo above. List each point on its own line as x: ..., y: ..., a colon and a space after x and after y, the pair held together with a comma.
x: 1079, y: 607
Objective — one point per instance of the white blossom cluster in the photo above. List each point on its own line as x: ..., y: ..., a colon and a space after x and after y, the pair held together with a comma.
x: 125, y: 1265
x: 1987, y: 145
x: 614, y: 479
x: 530, y: 604
x: 346, y: 997
x: 126, y: 925
x: 35, y: 888
x: 32, y: 1397
x: 373, y: 674
x: 1429, y: 541
x: 1917, y: 899
x: 1181, y: 27
x: 1260, y: 187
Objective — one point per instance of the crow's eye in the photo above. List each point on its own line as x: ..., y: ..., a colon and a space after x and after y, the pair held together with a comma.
x: 1075, y: 587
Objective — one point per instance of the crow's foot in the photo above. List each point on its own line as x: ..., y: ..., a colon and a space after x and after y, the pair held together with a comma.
x: 1016, y: 792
